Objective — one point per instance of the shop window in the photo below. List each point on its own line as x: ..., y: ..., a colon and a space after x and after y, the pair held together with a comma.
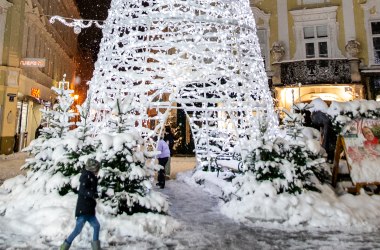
x: 316, y: 41
x: 375, y: 31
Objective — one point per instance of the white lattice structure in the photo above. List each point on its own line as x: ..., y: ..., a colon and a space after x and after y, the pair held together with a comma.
x: 201, y: 55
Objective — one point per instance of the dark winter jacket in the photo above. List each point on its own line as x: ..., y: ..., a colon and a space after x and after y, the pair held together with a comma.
x: 87, y: 194
x: 38, y: 131
x: 322, y: 120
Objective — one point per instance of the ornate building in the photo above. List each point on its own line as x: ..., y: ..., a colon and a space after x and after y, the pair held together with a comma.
x: 320, y: 48
x: 34, y: 56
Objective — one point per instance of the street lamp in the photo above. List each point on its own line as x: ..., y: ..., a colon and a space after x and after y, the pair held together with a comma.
x: 64, y: 84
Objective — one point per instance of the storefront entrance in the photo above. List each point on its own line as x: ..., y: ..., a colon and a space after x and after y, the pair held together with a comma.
x: 288, y: 95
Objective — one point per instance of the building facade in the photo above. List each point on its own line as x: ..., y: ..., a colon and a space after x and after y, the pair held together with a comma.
x: 320, y: 48
x: 34, y: 56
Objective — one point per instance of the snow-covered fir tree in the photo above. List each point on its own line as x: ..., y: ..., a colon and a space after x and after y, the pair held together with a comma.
x: 57, y: 121
x: 127, y: 168
x: 290, y: 164
x: 77, y: 147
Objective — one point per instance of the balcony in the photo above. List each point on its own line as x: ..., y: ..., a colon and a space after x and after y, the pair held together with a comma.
x: 314, y: 71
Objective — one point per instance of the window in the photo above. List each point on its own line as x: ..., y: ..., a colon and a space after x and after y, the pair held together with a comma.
x: 316, y: 41
x: 375, y: 31
x: 372, y: 26
x: 316, y: 32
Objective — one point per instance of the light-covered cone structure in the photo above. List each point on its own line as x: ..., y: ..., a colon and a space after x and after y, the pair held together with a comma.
x: 202, y: 56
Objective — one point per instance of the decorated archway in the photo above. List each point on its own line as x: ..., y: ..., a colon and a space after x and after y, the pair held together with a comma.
x: 201, y: 54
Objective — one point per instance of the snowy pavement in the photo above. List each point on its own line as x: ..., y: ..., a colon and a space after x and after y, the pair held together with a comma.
x: 204, y: 227
x: 10, y: 165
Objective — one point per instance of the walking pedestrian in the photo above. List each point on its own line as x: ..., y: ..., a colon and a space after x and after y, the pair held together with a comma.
x: 169, y: 138
x: 162, y: 158
x: 86, y: 203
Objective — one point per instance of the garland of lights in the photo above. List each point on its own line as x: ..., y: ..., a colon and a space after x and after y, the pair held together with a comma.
x: 77, y: 24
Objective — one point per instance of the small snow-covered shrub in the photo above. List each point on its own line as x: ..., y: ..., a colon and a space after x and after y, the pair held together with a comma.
x: 125, y: 175
x: 285, y: 166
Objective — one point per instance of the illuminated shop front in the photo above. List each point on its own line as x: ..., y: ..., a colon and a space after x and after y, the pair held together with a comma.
x: 31, y: 97
x: 331, y: 79
x: 288, y: 95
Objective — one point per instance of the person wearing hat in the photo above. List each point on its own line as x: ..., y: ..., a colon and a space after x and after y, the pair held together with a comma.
x: 86, y: 203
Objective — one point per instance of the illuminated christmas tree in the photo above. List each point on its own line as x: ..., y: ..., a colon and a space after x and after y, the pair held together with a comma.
x: 201, y: 55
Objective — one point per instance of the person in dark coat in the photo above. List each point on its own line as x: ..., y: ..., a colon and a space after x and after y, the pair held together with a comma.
x: 38, y: 131
x: 86, y: 203
x: 321, y: 121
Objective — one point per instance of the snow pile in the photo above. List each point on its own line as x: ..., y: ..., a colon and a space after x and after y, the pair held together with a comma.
x: 309, y: 209
x: 279, y: 185
x: 318, y: 105
x: 366, y: 171
x: 43, y: 217
x: 324, y: 210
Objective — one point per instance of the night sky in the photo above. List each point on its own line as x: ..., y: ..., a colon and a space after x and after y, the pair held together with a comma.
x: 96, y: 10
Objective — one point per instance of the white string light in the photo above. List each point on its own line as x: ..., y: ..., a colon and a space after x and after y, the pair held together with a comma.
x: 202, y: 54
x: 77, y: 24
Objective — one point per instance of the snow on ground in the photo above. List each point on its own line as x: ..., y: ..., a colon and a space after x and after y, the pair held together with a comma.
x: 204, y: 227
x: 195, y: 222
x: 325, y: 210
x: 10, y: 165
x: 32, y: 218
x: 43, y: 219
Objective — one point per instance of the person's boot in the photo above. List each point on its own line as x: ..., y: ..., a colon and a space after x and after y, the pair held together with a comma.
x: 65, y: 246
x: 95, y: 245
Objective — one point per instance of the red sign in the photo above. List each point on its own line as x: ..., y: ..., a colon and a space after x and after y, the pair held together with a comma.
x: 33, y: 62
x: 35, y: 93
